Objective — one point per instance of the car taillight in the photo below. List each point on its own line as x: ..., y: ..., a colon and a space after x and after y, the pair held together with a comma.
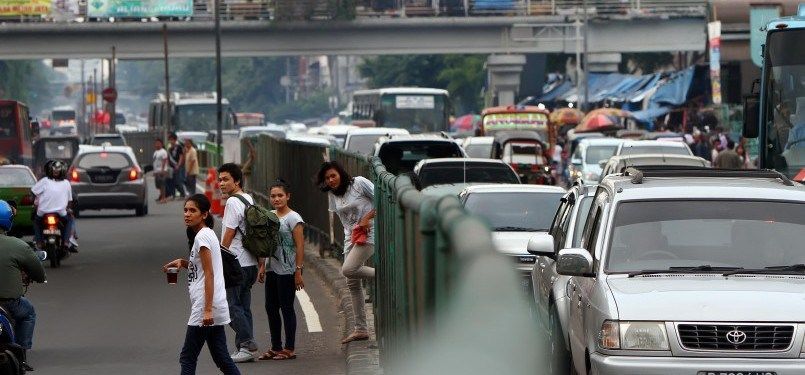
x: 534, y: 168
x: 74, y: 175
x: 27, y: 200
x: 134, y: 174
x: 51, y: 220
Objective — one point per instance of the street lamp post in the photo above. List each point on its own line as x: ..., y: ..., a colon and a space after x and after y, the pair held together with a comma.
x: 218, y: 90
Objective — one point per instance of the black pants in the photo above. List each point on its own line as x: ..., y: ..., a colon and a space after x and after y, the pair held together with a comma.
x: 215, y: 337
x: 280, y: 296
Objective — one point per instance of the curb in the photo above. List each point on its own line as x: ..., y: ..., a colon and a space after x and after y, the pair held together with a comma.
x: 362, y: 357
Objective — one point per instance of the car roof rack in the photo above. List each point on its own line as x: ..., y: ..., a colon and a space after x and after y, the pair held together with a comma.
x: 639, y: 173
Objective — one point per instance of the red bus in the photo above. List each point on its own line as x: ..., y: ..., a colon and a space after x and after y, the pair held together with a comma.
x: 16, y: 138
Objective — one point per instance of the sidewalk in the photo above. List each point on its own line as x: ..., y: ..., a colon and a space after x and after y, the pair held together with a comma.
x: 362, y: 357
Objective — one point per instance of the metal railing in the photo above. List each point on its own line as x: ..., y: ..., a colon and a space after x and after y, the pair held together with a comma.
x: 267, y: 10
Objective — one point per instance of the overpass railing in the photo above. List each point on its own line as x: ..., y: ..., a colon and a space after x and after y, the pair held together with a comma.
x: 68, y: 11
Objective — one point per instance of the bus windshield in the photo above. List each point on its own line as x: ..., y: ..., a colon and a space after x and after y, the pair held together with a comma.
x: 197, y: 117
x: 416, y: 113
x: 8, y: 127
x: 785, y: 103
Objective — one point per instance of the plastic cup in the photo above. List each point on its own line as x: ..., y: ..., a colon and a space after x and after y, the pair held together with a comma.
x: 173, y: 275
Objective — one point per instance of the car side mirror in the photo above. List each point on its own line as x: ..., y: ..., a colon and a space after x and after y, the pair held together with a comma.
x: 603, y: 163
x: 574, y: 262
x: 541, y: 244
x: 751, y: 116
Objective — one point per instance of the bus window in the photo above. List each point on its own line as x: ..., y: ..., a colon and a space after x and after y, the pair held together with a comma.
x: 8, y: 127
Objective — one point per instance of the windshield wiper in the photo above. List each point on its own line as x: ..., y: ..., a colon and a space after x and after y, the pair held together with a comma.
x: 798, y: 268
x: 514, y: 229
x: 690, y: 269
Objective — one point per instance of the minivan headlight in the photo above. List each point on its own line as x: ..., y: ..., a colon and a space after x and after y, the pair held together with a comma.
x: 643, y: 336
x: 633, y: 336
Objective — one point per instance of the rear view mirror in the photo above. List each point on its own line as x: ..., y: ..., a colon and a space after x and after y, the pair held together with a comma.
x: 574, y: 262
x: 751, y: 116
x: 541, y: 244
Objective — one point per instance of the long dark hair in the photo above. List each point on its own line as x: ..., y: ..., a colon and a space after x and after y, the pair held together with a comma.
x: 280, y: 183
x: 346, y: 179
x: 203, y: 205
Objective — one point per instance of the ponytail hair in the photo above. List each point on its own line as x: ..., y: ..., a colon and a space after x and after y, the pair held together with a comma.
x: 203, y: 205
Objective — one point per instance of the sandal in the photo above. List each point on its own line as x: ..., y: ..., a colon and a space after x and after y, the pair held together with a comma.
x: 285, y: 354
x: 356, y: 336
x: 267, y: 355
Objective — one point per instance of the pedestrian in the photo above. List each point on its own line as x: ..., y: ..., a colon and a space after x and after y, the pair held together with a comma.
x: 230, y: 179
x: 191, y: 165
x: 161, y: 169
x: 741, y: 151
x: 352, y: 200
x: 284, y: 276
x: 715, y: 148
x: 17, y: 263
x: 176, y: 159
x: 700, y: 147
x: 728, y: 159
x: 205, y: 281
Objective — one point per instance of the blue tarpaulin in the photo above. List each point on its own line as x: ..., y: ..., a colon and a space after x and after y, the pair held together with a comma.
x: 647, y: 116
x: 674, y: 91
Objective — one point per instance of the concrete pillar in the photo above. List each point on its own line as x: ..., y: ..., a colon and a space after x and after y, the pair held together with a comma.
x: 603, y: 62
x: 503, y: 75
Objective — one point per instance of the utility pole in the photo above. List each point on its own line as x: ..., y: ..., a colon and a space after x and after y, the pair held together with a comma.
x: 94, y: 105
x: 586, y: 59
x: 112, y: 80
x: 218, y: 91
x: 84, y: 123
x: 167, y: 119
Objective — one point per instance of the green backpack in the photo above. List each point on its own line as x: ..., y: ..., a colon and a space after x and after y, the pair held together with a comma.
x: 262, y: 229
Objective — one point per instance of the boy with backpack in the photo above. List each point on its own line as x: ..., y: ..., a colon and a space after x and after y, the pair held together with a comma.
x: 239, y: 298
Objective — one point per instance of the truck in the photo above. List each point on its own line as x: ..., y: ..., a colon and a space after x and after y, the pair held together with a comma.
x: 775, y: 110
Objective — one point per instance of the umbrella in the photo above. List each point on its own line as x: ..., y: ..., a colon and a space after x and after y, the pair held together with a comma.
x: 566, y: 116
x: 466, y: 123
x: 598, y: 123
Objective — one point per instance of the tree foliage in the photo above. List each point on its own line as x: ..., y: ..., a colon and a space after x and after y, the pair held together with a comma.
x: 26, y: 81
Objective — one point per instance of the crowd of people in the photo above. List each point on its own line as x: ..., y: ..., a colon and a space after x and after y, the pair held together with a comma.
x: 176, y: 168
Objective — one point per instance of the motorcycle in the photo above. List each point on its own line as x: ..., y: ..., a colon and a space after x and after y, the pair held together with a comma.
x: 12, y: 355
x: 52, y: 227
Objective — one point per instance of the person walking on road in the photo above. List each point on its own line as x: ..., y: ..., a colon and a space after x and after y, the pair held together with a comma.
x: 284, y: 276
x: 18, y: 264
x: 161, y: 169
x: 728, y: 159
x: 205, y: 280
x: 230, y: 179
x: 176, y: 159
x: 352, y: 200
x: 191, y: 164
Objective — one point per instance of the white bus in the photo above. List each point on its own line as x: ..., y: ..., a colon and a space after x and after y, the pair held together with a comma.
x: 418, y: 110
x: 189, y: 112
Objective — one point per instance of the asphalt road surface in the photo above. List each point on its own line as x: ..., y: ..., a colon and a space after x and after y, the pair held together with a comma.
x: 109, y: 310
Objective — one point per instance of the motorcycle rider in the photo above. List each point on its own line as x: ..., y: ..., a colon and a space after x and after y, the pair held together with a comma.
x: 18, y: 265
x: 53, y: 195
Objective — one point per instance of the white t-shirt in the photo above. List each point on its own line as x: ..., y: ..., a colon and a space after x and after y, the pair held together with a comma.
x: 160, y: 157
x: 196, y: 276
x: 52, y: 196
x: 233, y: 219
x: 352, y: 206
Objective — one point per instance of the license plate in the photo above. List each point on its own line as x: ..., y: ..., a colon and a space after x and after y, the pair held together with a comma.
x: 736, y: 373
x: 48, y: 232
x: 104, y: 178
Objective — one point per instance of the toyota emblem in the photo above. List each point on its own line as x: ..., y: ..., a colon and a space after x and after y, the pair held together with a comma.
x: 736, y: 337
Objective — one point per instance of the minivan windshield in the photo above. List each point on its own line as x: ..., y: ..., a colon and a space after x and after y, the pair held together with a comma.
x: 650, y: 235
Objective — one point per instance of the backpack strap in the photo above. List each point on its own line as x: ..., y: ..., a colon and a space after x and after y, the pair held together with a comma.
x: 245, y: 203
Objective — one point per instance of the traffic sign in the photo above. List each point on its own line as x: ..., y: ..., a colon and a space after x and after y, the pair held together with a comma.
x: 109, y: 94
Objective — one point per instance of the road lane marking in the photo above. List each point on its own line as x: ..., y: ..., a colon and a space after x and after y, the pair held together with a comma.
x: 311, y: 316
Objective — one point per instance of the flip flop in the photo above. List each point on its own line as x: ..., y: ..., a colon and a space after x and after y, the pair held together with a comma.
x: 283, y: 355
x: 356, y: 336
x: 267, y: 355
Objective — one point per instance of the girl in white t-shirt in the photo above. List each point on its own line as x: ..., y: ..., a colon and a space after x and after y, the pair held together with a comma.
x: 209, y: 311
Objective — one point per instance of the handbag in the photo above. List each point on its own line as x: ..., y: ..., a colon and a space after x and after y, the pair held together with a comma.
x: 359, y: 235
x: 233, y: 274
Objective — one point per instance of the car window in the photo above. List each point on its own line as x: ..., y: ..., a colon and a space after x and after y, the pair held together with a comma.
x: 11, y: 177
x: 581, y: 219
x: 515, y: 211
x: 561, y: 231
x: 557, y: 217
x: 479, y: 150
x: 598, y: 153
x: 114, y: 141
x: 658, y: 149
x: 111, y: 160
x: 401, y: 157
x: 362, y: 143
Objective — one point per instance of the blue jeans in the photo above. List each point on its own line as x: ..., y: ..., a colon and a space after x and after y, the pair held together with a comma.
x: 239, y: 299
x: 24, y: 316
x: 194, y: 340
x: 67, y: 229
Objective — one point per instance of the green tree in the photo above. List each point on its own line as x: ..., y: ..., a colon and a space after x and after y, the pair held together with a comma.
x: 27, y: 81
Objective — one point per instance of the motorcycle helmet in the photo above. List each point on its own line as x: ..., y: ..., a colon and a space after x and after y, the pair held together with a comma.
x: 6, y: 216
x: 55, y: 169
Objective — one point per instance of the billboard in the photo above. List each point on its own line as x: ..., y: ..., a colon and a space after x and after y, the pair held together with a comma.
x: 139, y: 8
x: 24, y: 7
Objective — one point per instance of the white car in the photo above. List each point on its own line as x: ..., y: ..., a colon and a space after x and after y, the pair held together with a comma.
x: 273, y: 130
x: 515, y: 212
x: 586, y: 158
x: 339, y: 132
x: 362, y: 140
x: 320, y: 140
x: 478, y: 147
x: 653, y: 147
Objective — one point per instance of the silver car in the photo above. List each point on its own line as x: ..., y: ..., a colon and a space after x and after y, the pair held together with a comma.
x: 689, y: 272
x: 107, y: 177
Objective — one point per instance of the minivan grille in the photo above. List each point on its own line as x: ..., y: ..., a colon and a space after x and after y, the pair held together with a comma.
x: 735, y: 337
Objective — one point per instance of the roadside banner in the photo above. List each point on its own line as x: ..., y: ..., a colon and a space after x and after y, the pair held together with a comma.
x: 24, y: 7
x: 140, y: 8
x: 714, y: 37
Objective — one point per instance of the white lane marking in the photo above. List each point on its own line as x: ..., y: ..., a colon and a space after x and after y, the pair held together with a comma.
x: 311, y: 316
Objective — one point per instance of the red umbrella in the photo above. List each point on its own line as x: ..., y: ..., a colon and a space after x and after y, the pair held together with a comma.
x: 597, y: 123
x: 465, y: 123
